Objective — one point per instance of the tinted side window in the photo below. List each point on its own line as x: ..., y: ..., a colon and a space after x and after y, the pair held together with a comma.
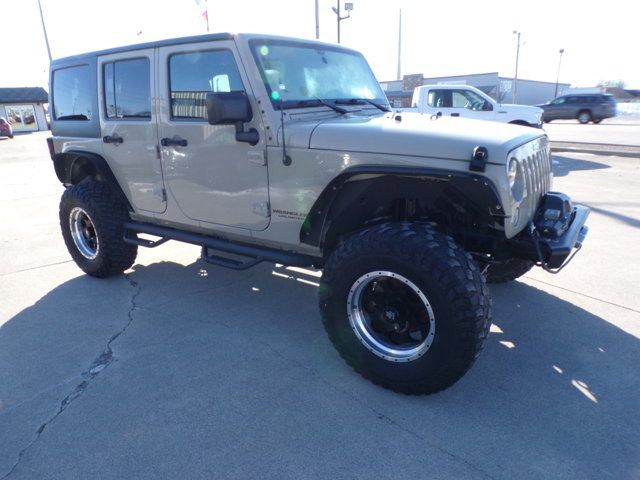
x: 194, y: 74
x: 572, y: 99
x: 72, y: 93
x: 127, y: 92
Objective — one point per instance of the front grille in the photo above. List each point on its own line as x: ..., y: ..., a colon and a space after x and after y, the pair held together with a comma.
x: 535, y: 165
x: 537, y: 173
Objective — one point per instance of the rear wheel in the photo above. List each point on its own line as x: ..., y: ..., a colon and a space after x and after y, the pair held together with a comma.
x: 92, y: 219
x: 508, y: 270
x: 584, y: 116
x: 405, y: 307
x: 597, y: 120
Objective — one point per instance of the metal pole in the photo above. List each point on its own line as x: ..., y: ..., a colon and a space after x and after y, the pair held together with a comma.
x: 555, y: 93
x: 206, y: 12
x: 338, y: 16
x: 400, y: 46
x: 515, y: 78
x: 317, y: 21
x: 44, y: 29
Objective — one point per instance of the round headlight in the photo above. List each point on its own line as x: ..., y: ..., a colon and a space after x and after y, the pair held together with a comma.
x: 516, y: 179
x: 512, y: 171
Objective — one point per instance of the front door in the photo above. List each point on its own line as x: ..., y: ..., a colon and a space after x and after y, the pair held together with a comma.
x: 213, y: 177
x: 130, y: 141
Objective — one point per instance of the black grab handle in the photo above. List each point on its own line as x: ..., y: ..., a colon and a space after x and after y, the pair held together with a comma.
x: 114, y: 139
x: 168, y: 142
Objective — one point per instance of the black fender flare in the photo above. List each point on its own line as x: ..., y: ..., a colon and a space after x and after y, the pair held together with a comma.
x: 73, y: 166
x: 358, y: 187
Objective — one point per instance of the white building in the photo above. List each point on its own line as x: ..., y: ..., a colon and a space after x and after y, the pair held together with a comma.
x: 24, y: 108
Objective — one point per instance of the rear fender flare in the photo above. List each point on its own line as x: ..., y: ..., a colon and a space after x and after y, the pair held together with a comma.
x: 72, y: 167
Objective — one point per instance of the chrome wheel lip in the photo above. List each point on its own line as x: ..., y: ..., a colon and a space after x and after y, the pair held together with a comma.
x: 363, y: 329
x: 79, y: 234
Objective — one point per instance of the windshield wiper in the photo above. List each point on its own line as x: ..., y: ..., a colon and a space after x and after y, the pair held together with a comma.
x: 362, y: 101
x: 340, y: 110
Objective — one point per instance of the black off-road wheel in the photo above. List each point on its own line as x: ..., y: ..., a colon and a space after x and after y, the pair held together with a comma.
x: 92, y: 219
x: 405, y: 306
x: 508, y: 270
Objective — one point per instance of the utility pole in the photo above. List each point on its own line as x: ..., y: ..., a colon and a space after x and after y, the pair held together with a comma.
x: 44, y: 29
x: 348, y: 6
x: 515, y: 78
x: 400, y: 46
x: 317, y: 21
x: 555, y: 94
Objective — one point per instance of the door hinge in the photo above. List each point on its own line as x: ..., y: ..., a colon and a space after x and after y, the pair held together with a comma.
x: 164, y: 194
x: 262, y: 208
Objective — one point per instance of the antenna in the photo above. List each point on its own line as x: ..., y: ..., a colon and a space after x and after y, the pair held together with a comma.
x: 286, y: 159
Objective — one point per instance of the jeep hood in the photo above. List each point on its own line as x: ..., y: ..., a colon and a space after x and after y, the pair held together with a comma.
x: 412, y: 134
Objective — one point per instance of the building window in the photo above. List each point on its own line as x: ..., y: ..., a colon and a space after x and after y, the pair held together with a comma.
x: 22, y: 117
x: 194, y: 74
x: 72, y: 93
x: 127, y: 90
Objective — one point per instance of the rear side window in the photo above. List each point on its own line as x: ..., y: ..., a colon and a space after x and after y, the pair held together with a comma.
x: 194, y: 74
x: 439, y: 98
x: 127, y: 91
x: 72, y: 99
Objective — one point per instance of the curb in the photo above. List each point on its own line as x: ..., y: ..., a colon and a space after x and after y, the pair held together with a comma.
x: 596, y: 149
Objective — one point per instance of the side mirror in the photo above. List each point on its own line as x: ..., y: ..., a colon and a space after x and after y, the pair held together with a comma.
x: 232, y: 108
x: 228, y: 108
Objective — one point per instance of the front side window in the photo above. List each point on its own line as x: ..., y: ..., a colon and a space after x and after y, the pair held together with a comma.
x: 72, y: 98
x: 298, y: 74
x: 127, y: 89
x: 467, y: 99
x: 194, y: 74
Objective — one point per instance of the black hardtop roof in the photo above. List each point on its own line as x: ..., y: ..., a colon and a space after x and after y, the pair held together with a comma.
x: 141, y: 46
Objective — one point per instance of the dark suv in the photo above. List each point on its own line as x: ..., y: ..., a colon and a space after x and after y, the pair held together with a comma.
x: 593, y: 107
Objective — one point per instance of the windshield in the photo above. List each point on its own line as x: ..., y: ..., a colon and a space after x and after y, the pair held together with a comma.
x: 300, y: 74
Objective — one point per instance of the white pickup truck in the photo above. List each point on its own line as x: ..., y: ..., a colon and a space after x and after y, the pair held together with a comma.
x: 469, y: 102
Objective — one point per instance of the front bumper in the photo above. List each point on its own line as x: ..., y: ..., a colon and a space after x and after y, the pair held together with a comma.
x: 555, y: 235
x: 557, y: 250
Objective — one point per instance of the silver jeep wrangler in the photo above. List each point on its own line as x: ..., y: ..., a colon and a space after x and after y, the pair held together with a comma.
x: 262, y: 148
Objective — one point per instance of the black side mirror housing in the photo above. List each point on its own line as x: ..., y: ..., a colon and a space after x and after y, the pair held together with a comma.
x: 228, y: 108
x: 232, y: 108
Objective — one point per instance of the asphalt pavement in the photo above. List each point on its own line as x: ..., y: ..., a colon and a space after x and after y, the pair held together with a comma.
x: 179, y: 369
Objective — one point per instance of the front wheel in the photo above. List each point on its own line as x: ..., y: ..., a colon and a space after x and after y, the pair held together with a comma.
x: 91, y: 220
x: 405, y: 307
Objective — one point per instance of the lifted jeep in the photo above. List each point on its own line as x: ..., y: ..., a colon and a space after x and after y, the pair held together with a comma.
x: 281, y: 150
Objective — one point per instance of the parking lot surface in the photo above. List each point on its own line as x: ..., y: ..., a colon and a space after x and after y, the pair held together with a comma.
x: 183, y: 370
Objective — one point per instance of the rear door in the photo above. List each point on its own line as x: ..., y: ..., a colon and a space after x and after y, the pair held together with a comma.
x: 213, y: 177
x: 128, y: 123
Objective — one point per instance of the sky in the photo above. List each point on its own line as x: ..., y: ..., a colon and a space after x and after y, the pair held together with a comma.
x: 439, y: 38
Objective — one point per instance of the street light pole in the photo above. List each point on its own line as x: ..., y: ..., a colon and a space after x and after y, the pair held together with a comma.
x: 317, y: 21
x: 348, y: 6
x: 46, y: 38
x: 515, y: 78
x: 555, y: 94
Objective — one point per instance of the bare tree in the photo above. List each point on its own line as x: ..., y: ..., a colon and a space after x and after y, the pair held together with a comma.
x: 612, y: 84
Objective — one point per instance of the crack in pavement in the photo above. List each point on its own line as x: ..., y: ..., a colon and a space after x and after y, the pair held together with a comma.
x: 98, y: 365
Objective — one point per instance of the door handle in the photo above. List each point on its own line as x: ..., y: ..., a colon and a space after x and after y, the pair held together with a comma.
x: 455, y: 114
x: 439, y: 114
x: 112, y: 139
x: 173, y: 142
